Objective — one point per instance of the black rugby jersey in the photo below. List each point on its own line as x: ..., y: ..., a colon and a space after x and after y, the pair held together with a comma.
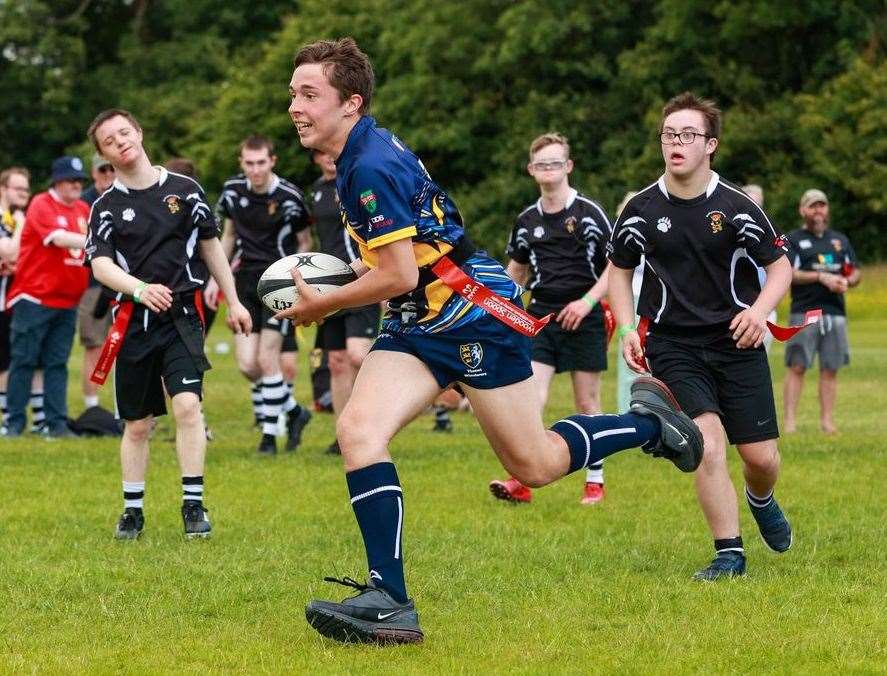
x: 153, y: 233
x: 327, y: 217
x: 566, y: 251
x: 265, y: 223
x: 829, y: 252
x: 701, y: 254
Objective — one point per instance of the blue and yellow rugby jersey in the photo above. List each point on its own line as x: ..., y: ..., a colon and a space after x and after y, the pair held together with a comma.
x: 385, y: 195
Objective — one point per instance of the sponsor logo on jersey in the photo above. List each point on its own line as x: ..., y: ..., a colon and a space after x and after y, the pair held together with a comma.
x: 716, y: 221
x: 780, y: 242
x: 539, y: 232
x: 128, y: 214
x: 570, y: 224
x: 663, y: 224
x: 377, y: 219
x: 805, y: 244
x: 368, y: 200
x: 172, y: 203
x: 272, y: 207
x: 244, y: 202
x: 471, y: 354
x: 836, y: 244
x: 62, y: 221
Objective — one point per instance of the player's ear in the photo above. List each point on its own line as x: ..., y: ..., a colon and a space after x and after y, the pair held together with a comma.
x: 530, y: 168
x: 711, y: 146
x: 569, y: 166
x: 353, y: 104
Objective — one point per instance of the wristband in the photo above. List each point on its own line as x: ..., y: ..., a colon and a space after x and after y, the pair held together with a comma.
x: 624, y: 330
x: 591, y: 303
x: 137, y: 292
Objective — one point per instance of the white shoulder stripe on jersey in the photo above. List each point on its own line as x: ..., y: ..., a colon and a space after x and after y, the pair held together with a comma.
x: 756, y: 207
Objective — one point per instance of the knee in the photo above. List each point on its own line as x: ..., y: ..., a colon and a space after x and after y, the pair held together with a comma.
x: 268, y: 363
x: 532, y: 477
x: 355, y: 358
x: 797, y: 370
x: 764, y: 462
x: 714, y: 453
x: 288, y: 368
x: 137, y: 431
x: 338, y: 362
x: 249, y: 369
x: 588, y: 404
x: 186, y: 409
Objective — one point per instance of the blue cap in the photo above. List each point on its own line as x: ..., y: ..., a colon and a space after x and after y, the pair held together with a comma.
x: 67, y: 168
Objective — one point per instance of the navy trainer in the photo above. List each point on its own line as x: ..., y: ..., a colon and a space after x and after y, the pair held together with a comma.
x: 725, y: 564
x: 776, y: 532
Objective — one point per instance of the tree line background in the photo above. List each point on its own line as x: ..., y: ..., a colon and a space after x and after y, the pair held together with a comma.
x: 803, y: 85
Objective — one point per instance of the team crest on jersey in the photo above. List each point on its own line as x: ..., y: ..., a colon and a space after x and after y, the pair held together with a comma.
x: 368, y: 200
x: 172, y: 203
x: 663, y: 224
x: 128, y: 214
x: 836, y: 245
x: 716, y: 221
x: 244, y: 202
x: 471, y: 354
x: 272, y: 207
x: 570, y: 224
x: 538, y: 232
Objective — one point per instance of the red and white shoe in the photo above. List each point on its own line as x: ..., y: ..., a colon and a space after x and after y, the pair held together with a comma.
x: 593, y: 494
x: 511, y: 491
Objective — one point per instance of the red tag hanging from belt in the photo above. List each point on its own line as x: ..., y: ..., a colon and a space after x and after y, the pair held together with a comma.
x: 112, y: 344
x: 783, y: 333
x: 474, y: 292
x: 609, y: 320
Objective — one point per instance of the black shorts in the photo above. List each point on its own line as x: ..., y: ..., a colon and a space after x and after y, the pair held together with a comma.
x: 718, y: 377
x: 245, y: 282
x: 138, y: 383
x: 584, y: 349
x: 5, y: 353
x: 361, y: 322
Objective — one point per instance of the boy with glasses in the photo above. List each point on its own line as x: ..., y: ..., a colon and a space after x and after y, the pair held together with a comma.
x: 706, y: 315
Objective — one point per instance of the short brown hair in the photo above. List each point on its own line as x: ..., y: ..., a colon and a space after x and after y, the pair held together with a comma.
x: 106, y: 115
x: 257, y: 142
x: 346, y: 68
x: 549, y: 139
x: 6, y: 174
x: 181, y: 165
x: 689, y: 101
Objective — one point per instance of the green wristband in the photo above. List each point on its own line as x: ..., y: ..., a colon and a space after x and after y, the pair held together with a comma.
x: 137, y: 292
x: 591, y: 303
x: 624, y: 330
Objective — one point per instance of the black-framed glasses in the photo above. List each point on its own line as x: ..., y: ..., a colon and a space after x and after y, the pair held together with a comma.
x: 683, y: 137
x: 550, y: 164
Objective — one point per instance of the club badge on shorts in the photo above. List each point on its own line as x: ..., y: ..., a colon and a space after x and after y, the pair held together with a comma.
x: 472, y: 354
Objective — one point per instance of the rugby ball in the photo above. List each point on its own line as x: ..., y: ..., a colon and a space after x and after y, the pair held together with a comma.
x: 323, y: 272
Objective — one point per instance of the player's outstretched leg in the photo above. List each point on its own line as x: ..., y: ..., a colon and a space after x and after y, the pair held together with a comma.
x: 680, y: 439
x: 381, y: 612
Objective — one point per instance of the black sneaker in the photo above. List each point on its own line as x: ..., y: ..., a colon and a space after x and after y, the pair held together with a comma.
x: 268, y: 445
x: 775, y: 529
x: 195, y: 518
x: 371, y: 616
x: 680, y: 439
x: 725, y: 564
x: 333, y: 448
x: 130, y: 525
x: 442, y: 425
x: 295, y: 423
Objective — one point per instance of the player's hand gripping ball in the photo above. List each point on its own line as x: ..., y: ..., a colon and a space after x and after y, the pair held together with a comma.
x: 321, y: 271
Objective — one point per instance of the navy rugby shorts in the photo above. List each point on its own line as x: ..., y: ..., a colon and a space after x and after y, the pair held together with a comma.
x: 483, y: 354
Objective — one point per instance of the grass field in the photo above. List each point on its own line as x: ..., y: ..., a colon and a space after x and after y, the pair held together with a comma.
x: 548, y: 588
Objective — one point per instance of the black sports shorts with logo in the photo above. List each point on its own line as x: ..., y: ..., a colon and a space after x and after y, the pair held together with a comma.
x: 709, y: 373
x: 584, y: 349
x: 361, y: 322
x: 245, y: 282
x: 158, y: 356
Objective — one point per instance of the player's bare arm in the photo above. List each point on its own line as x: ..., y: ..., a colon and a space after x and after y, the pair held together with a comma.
x: 304, y: 241
x: 749, y: 326
x: 67, y: 240
x: 211, y: 252
x: 622, y: 304
x: 519, y: 272
x: 396, y: 274
x: 156, y: 297
x: 571, y: 316
x: 229, y: 238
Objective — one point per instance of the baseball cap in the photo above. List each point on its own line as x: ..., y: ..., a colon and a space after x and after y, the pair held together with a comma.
x: 812, y: 196
x: 98, y: 161
x: 67, y: 168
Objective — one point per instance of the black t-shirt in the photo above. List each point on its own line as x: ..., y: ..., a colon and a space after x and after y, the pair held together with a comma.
x: 152, y: 234
x: 566, y: 251
x: 265, y: 223
x: 829, y: 252
x: 702, y: 254
x: 327, y: 217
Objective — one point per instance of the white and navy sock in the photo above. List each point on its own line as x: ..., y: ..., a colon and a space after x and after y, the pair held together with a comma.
x: 377, y: 499
x: 441, y: 415
x: 591, y: 438
x: 192, y: 488
x: 90, y: 400
x: 758, y: 503
x: 595, y: 473
x: 274, y: 396
x: 133, y: 494
x: 725, y: 545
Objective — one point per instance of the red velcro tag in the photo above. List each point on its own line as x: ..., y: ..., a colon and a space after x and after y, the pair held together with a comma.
x: 783, y: 333
x: 113, y: 343
x: 474, y: 292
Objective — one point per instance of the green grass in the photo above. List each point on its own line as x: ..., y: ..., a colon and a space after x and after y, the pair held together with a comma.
x: 551, y: 587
